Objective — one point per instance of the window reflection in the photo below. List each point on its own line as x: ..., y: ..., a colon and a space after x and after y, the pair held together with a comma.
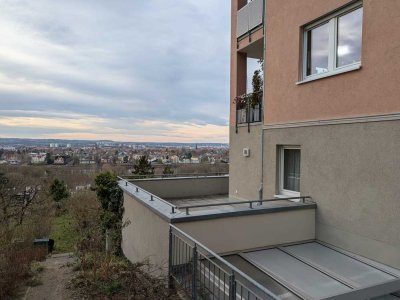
x: 291, y: 175
x: 349, y: 38
x: 318, y: 50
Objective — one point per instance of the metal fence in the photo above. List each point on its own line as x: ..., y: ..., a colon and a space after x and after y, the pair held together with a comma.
x: 251, y: 203
x: 160, y: 176
x: 152, y: 197
x: 202, y: 274
x: 249, y: 109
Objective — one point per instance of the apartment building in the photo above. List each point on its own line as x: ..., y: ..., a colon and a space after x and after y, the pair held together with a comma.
x: 331, y: 113
x: 311, y: 208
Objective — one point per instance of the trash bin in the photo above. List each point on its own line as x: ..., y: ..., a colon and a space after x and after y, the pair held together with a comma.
x: 45, y: 243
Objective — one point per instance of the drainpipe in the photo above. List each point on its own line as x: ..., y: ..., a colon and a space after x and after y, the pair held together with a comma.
x: 261, y: 189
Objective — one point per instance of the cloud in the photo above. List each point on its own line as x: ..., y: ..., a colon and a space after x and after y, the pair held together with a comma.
x: 115, y: 68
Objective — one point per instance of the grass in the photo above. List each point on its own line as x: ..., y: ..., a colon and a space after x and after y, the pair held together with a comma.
x: 63, y: 234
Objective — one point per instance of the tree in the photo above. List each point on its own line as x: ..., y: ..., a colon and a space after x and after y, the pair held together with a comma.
x: 257, y: 83
x: 75, y: 160
x: 111, y: 200
x: 59, y: 190
x: 167, y: 170
x: 49, y: 160
x: 15, y: 202
x: 143, y: 166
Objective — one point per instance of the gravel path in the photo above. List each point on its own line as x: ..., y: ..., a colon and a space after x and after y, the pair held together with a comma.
x: 56, y: 274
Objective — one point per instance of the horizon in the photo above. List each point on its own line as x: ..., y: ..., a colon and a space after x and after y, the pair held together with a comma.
x: 68, y: 73
x: 110, y: 141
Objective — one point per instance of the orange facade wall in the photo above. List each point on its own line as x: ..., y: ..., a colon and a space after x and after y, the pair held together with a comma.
x: 238, y: 63
x: 372, y: 90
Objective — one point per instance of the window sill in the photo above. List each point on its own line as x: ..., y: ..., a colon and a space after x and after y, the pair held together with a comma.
x: 342, y: 70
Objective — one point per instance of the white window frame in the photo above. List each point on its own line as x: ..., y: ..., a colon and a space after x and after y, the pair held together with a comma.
x: 281, y: 161
x: 332, y: 20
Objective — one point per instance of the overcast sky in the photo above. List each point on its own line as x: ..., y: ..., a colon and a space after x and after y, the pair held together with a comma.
x: 134, y: 70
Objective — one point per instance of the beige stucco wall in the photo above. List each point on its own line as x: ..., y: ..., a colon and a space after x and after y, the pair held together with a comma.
x: 245, y: 172
x: 352, y: 171
x: 224, y: 235
x: 146, y: 237
x: 181, y: 187
x: 372, y: 90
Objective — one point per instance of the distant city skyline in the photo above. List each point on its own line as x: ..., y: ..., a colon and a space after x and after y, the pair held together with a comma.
x: 127, y: 71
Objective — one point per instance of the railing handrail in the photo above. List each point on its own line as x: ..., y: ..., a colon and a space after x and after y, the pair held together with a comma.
x: 226, y: 263
x: 152, y: 196
x: 251, y: 93
x: 178, y: 175
x: 187, y: 207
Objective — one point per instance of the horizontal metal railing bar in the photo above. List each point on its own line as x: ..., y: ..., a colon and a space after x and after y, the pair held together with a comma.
x: 152, y: 196
x: 303, y: 198
x: 227, y: 264
x: 133, y: 176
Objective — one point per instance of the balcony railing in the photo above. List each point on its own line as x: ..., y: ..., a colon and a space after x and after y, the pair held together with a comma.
x: 250, y: 17
x: 203, y: 274
x: 249, y: 108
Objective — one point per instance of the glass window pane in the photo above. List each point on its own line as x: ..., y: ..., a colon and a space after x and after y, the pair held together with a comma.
x: 349, y: 38
x: 318, y: 50
x: 291, y: 172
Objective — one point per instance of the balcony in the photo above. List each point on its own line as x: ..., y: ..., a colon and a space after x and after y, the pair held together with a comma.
x: 250, y: 17
x: 249, y: 108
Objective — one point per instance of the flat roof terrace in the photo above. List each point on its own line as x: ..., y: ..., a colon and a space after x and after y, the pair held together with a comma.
x: 190, y: 198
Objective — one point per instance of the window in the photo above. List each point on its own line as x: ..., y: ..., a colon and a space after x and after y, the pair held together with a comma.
x: 333, y: 44
x: 289, y: 171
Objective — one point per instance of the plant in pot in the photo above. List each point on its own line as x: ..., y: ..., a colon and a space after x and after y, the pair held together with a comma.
x: 256, y: 97
x: 241, y: 108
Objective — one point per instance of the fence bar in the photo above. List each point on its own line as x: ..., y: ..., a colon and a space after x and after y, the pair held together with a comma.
x: 194, y: 273
x: 232, y: 286
x: 170, y: 262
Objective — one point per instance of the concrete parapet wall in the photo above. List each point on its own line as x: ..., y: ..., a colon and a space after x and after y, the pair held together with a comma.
x: 180, y: 187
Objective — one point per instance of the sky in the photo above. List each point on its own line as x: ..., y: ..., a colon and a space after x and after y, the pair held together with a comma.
x: 134, y: 70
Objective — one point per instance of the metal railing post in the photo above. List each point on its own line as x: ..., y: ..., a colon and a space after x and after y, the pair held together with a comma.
x: 237, y: 116
x: 232, y: 286
x: 170, y: 250
x: 248, y: 113
x: 194, y: 273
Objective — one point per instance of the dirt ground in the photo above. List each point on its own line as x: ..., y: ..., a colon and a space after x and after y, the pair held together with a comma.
x: 56, y: 274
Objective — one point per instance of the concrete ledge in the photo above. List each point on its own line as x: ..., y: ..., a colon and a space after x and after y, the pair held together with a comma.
x: 180, y: 187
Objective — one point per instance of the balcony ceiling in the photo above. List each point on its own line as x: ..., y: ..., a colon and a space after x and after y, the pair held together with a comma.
x: 254, y: 49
